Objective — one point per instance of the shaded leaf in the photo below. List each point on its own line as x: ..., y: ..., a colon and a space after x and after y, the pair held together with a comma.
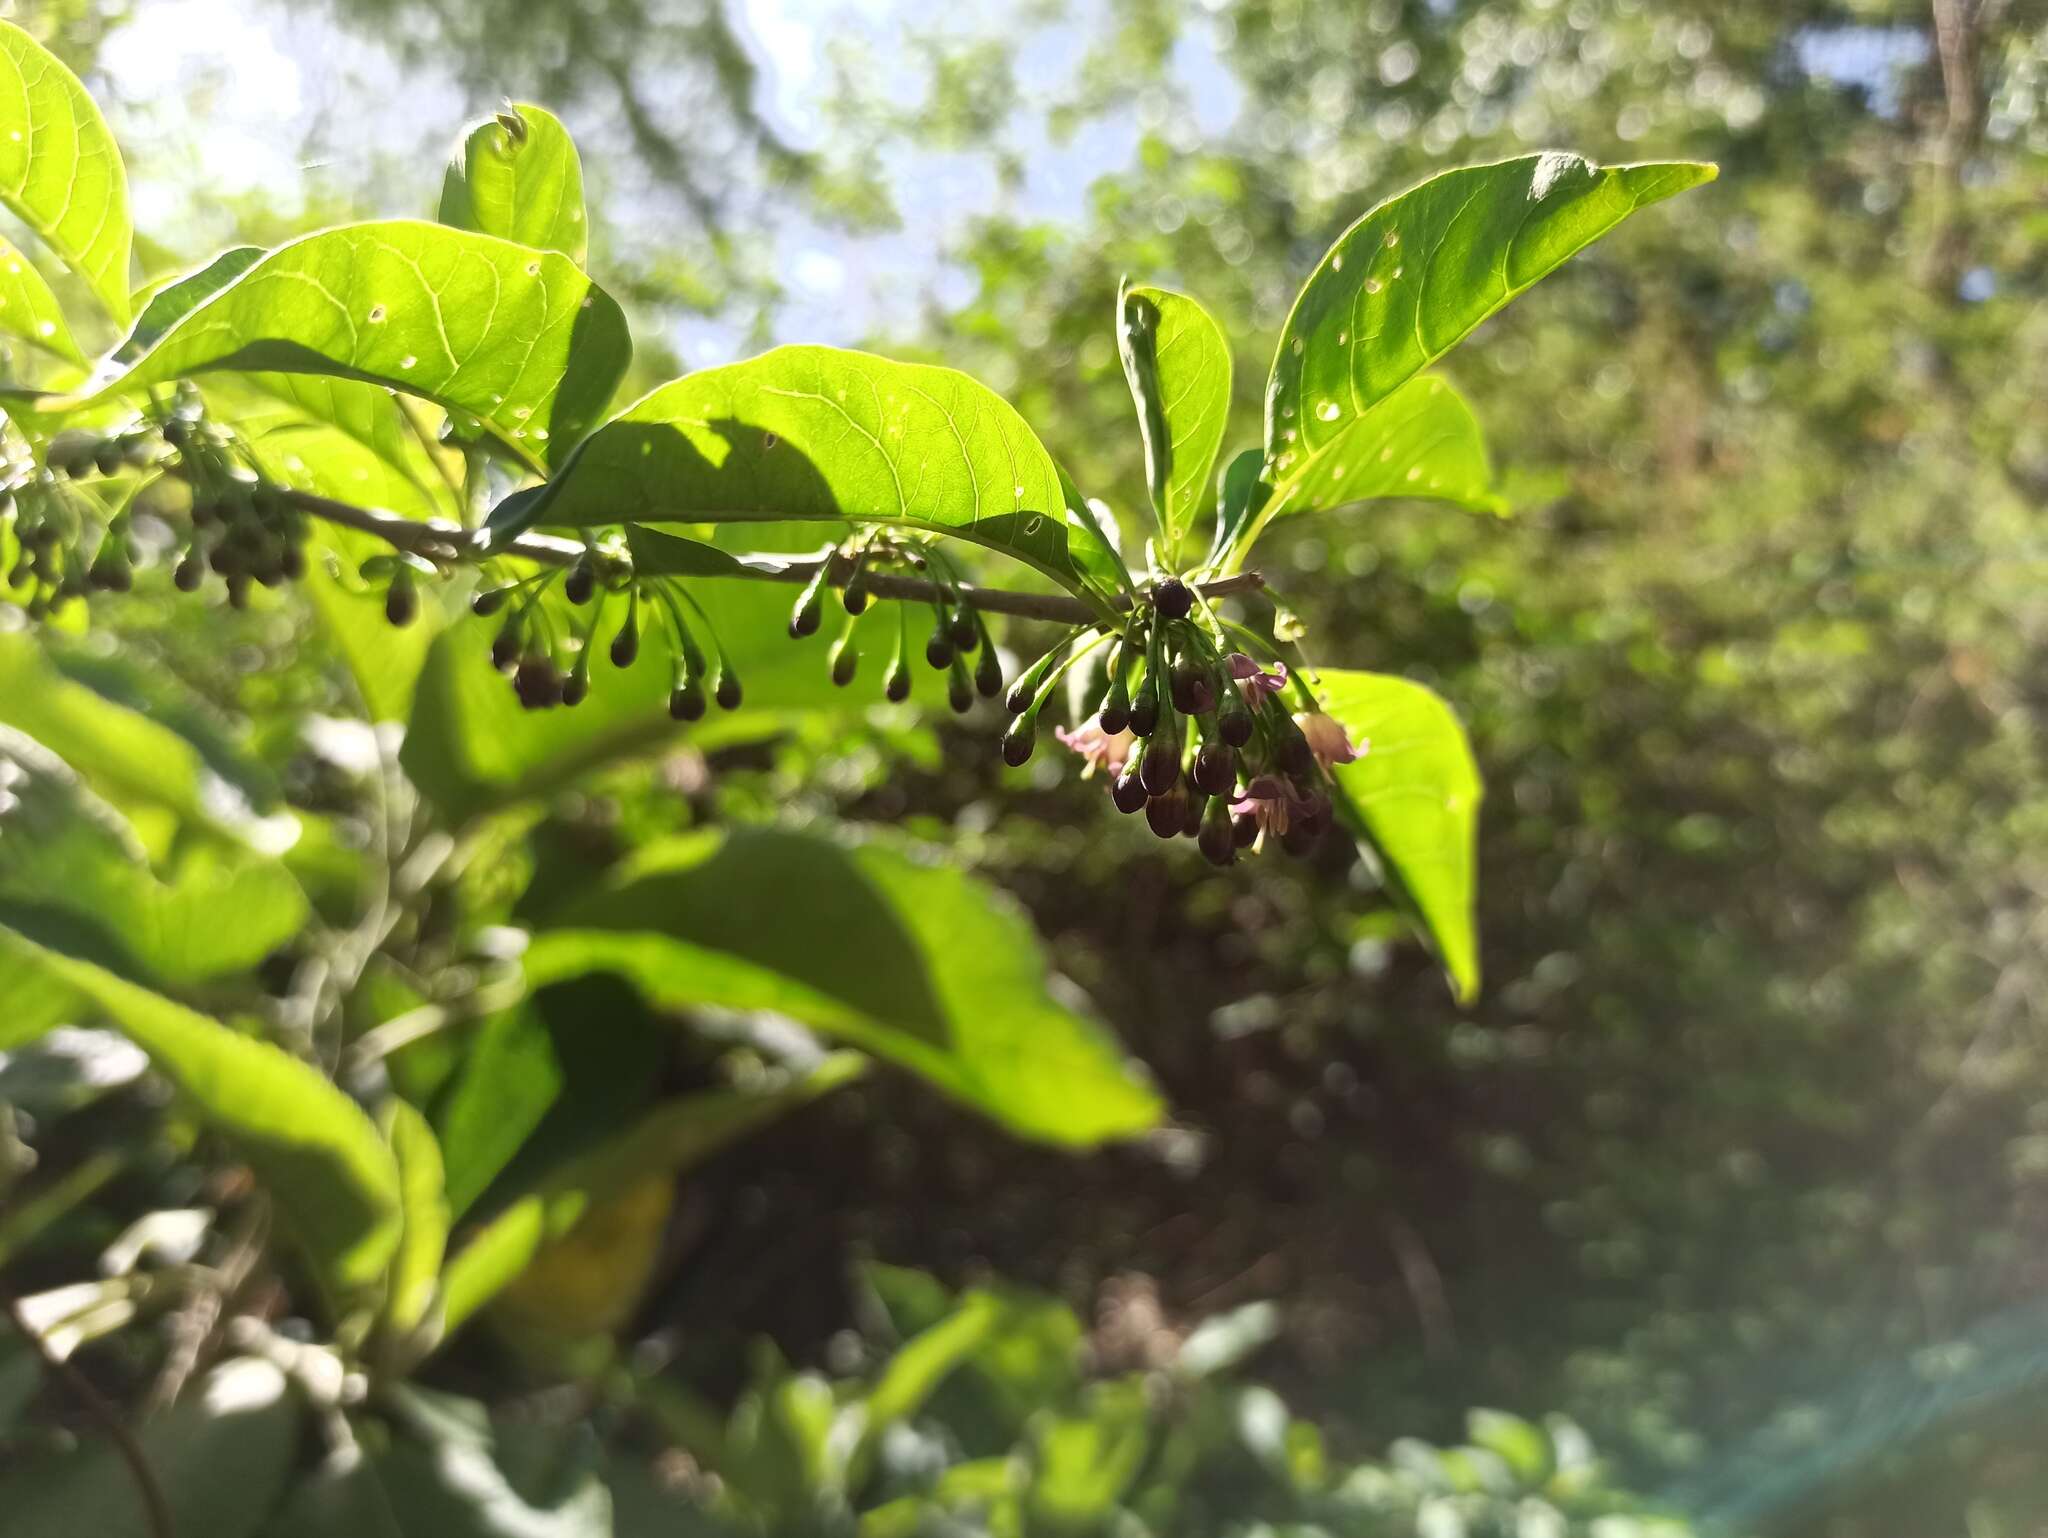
x: 672, y: 1137
x: 222, y: 1455
x: 521, y: 339
x: 526, y: 188
x: 334, y: 1179
x: 60, y: 169
x: 919, y: 964
x: 820, y: 433
x: 1178, y: 365
x: 1413, y: 799
x: 180, y: 297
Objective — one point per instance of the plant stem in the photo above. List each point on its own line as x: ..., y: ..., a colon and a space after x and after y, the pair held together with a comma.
x: 438, y: 539
x: 155, y: 1506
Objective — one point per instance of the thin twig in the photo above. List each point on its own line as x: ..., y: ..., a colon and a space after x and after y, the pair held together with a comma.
x: 155, y: 1507
x: 436, y: 539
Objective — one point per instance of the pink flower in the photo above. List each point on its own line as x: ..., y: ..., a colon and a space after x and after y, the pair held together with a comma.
x: 1272, y: 803
x: 1327, y: 741
x: 1106, y: 751
x: 1253, y: 683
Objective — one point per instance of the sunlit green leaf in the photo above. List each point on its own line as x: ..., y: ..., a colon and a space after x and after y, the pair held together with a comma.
x: 1412, y: 797
x: 29, y: 310
x: 672, y: 1137
x: 126, y: 756
x: 519, y: 338
x: 71, y: 874
x: 819, y: 433
x: 181, y: 296
x: 1522, y: 1445
x: 335, y: 1181
x: 1411, y: 279
x: 525, y: 187
x: 916, y: 963
x: 1178, y: 364
x: 60, y: 169
x: 1422, y: 441
x: 423, y: 1208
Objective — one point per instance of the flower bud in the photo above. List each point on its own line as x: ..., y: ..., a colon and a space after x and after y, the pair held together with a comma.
x: 725, y: 688
x: 686, y: 700
x: 1173, y: 599
x: 1020, y: 739
x: 988, y: 672
x: 581, y: 582
x: 486, y: 601
x: 896, y: 685
x: 938, y: 651
x: 963, y: 629
x: 1234, y: 719
x: 959, y: 688
x: 401, y: 602
x: 626, y: 644
x: 291, y: 560
x: 537, y: 683
x: 506, y: 647
x: 1217, y: 838
x: 1167, y: 814
x: 1127, y: 791
x: 1215, y: 770
x: 844, y: 659
x: 809, y: 612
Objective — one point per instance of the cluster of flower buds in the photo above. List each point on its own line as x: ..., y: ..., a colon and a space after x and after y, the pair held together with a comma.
x: 67, y: 542
x: 958, y: 631
x: 555, y: 621
x: 243, y: 529
x: 1197, y: 738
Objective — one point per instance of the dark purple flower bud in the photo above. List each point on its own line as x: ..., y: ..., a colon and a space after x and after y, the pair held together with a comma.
x: 1167, y: 815
x: 1216, y: 768
x: 686, y: 701
x: 537, y: 683
x: 1127, y: 791
x: 1173, y: 599
x: 1020, y: 739
x: 580, y: 583
x: 1160, y: 767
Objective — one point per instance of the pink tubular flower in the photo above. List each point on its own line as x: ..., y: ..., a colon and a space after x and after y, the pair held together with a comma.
x: 1253, y: 683
x: 1272, y: 803
x: 1327, y: 741
x: 1106, y: 751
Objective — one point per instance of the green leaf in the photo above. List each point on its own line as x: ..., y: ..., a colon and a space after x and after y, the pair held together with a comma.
x: 1413, y: 277
x: 1084, y: 1463
x: 60, y: 169
x: 509, y: 1078
x: 221, y: 1454
x: 334, y: 1179
x: 917, y: 963
x: 1178, y: 364
x: 181, y: 296
x: 471, y: 746
x: 72, y: 874
x: 823, y: 434
x: 674, y: 1136
x: 519, y: 338
x: 1524, y: 1447
x: 1422, y: 441
x: 424, y: 1217
x: 1412, y: 797
x: 128, y: 757
x: 525, y: 187
x: 29, y: 310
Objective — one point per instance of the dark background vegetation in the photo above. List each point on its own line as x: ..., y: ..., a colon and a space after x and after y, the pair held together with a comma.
x: 1752, y: 1106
